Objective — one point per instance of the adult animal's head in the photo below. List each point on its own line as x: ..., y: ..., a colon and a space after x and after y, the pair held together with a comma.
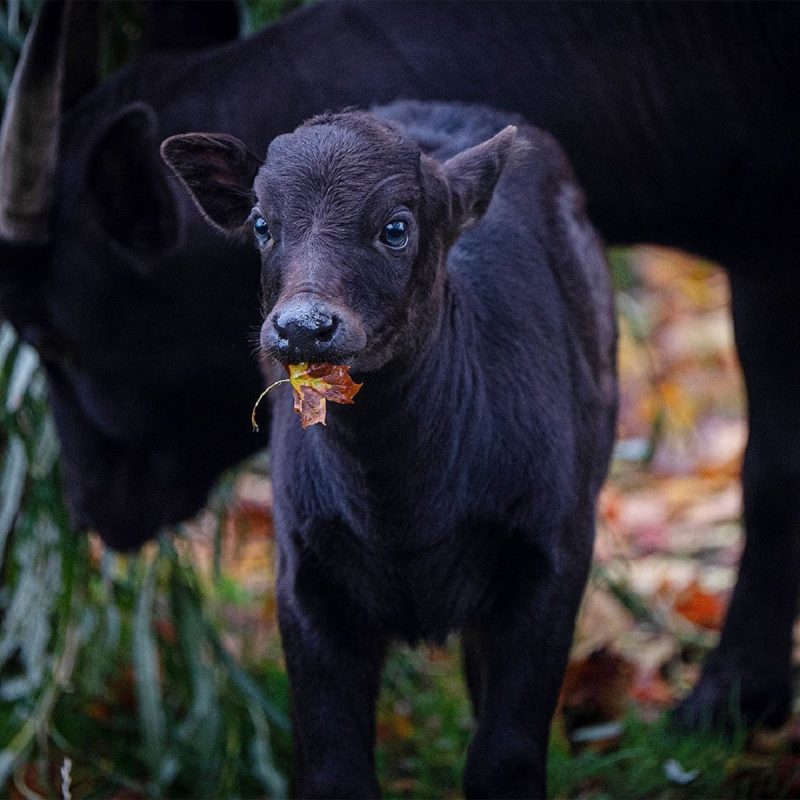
x: 352, y: 222
x: 116, y: 281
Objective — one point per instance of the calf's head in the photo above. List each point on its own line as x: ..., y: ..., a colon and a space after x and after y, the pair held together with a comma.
x: 352, y: 222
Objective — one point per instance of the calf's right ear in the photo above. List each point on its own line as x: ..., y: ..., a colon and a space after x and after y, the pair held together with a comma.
x: 218, y: 171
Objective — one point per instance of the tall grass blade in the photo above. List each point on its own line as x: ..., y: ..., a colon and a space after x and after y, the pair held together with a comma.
x: 12, y: 486
x: 45, y: 450
x: 261, y: 754
x: 244, y: 683
x: 7, y: 341
x: 25, y: 366
x: 147, y: 675
x: 26, y: 633
x: 201, y: 730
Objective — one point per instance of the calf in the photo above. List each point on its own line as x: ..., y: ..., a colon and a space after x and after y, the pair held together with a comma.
x: 452, y: 266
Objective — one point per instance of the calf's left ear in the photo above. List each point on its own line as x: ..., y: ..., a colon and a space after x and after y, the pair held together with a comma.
x: 473, y: 174
x: 218, y: 171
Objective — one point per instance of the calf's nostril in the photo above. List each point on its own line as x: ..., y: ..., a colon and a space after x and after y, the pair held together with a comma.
x: 326, y: 328
x: 280, y: 328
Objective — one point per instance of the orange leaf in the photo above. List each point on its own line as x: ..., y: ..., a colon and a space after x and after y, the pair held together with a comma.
x: 597, y: 688
x: 394, y: 727
x: 651, y: 689
x: 246, y: 518
x: 703, y: 609
x: 314, y: 385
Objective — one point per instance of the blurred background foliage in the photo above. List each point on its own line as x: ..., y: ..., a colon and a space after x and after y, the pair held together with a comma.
x: 160, y: 675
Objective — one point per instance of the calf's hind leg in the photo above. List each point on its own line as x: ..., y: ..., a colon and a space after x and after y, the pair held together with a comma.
x: 747, y: 677
x: 516, y: 652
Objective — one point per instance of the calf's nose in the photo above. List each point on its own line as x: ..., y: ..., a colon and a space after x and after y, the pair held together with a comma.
x: 305, y: 332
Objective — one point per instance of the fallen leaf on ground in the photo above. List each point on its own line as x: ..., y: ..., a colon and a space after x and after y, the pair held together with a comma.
x: 596, y: 689
x: 600, y: 738
x: 394, y: 727
x: 314, y: 385
x: 652, y: 690
x: 702, y: 608
x: 245, y: 518
x: 675, y: 773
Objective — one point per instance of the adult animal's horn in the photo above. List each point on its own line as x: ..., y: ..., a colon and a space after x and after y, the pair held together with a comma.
x: 29, y: 134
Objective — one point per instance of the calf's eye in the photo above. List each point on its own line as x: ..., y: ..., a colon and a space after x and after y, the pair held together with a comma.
x: 261, y: 229
x: 395, y: 234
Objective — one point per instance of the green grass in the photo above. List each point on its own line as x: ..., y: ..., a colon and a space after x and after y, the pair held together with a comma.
x: 636, y: 766
x: 424, y: 723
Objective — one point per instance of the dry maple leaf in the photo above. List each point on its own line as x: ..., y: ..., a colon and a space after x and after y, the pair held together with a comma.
x: 314, y: 385
x: 704, y: 609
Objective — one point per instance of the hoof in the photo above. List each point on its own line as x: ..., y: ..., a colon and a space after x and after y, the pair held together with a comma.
x: 733, y: 705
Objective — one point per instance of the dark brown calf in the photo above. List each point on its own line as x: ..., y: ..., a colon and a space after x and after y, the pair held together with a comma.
x: 470, y: 295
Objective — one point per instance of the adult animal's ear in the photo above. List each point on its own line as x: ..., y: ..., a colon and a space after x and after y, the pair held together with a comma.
x: 473, y: 174
x: 218, y: 170
x: 131, y: 197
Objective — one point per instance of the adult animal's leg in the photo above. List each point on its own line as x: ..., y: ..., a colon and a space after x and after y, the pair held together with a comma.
x: 334, y: 663
x: 472, y: 668
x: 518, y: 650
x: 747, y: 677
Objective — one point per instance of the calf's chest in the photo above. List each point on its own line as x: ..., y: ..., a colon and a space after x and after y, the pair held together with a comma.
x: 407, y: 592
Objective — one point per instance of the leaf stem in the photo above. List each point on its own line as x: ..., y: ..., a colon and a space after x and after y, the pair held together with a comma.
x: 260, y: 398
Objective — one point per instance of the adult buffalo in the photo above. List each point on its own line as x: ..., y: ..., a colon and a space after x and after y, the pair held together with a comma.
x: 681, y: 121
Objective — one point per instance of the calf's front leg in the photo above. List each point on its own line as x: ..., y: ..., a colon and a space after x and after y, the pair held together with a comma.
x: 334, y: 663
x: 516, y: 652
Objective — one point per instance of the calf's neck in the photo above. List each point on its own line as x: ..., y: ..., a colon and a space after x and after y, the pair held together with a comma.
x: 442, y: 252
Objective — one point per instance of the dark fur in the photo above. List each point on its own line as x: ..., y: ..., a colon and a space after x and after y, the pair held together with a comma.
x: 457, y: 494
x: 681, y: 121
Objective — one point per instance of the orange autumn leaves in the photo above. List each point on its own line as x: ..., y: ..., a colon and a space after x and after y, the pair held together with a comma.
x: 313, y: 386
